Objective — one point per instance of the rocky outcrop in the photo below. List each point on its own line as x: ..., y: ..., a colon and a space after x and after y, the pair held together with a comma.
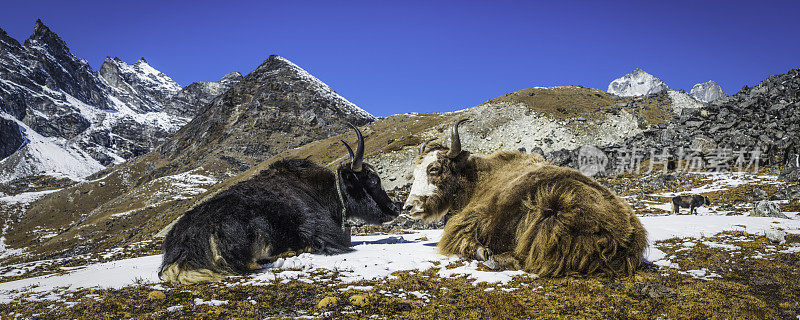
x: 187, y: 102
x: 12, y: 136
x: 707, y: 91
x: 636, y: 83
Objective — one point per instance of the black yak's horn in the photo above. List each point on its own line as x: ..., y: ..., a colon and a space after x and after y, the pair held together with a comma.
x: 358, y: 158
x: 455, y: 140
x: 349, y: 150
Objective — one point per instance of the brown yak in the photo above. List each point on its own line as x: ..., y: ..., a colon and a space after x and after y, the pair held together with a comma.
x: 525, y: 213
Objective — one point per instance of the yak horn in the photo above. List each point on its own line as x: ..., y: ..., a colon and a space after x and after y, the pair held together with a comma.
x: 349, y: 150
x: 455, y: 140
x: 357, y: 159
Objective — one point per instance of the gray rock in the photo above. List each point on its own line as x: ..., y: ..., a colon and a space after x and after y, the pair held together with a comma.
x: 707, y: 91
x: 491, y: 264
x: 767, y: 208
x: 776, y: 236
x: 703, y: 144
x: 787, y: 193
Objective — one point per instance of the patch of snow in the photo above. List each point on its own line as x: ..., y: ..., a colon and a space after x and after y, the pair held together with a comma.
x: 692, y: 226
x: 212, y: 302
x: 115, y: 274
x: 5, y: 251
x: 25, y: 197
x: 174, y: 308
x: 185, y: 185
x: 702, y: 274
x: 729, y: 247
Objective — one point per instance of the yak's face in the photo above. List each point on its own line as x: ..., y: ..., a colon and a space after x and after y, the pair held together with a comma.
x: 364, y: 196
x: 436, y: 184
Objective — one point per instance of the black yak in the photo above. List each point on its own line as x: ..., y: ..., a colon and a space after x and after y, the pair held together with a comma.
x: 690, y: 202
x: 293, y: 205
x: 525, y: 213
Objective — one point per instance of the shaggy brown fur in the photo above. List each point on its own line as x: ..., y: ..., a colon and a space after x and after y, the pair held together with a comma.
x: 545, y: 219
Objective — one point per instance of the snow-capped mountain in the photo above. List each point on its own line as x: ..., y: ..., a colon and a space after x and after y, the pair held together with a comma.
x: 707, y: 91
x: 636, y: 83
x: 140, y: 86
x: 53, y: 105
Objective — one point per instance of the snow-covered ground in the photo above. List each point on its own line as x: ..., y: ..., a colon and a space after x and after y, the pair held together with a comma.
x: 376, y: 257
x: 25, y: 197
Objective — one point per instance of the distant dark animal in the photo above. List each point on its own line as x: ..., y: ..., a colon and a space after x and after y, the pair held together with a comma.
x: 293, y: 205
x: 671, y: 165
x: 525, y: 213
x: 690, y: 202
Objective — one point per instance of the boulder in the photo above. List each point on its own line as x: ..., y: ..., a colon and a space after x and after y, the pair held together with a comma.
x: 788, y: 193
x: 703, y: 144
x: 767, y: 209
x: 776, y: 236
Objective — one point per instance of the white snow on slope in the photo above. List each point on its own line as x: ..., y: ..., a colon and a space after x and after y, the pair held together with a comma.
x: 5, y: 251
x: 25, y: 197
x: 636, y: 83
x: 147, y: 74
x: 374, y: 257
x: 42, y: 155
x: 183, y: 186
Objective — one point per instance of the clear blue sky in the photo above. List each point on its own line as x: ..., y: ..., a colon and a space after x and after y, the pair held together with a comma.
x: 401, y: 56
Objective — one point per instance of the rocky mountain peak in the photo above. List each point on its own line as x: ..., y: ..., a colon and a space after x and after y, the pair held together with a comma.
x: 636, y: 83
x: 43, y: 36
x: 707, y: 91
x: 283, y: 70
x: 6, y: 40
x: 139, y: 84
x: 231, y: 78
x: 276, y: 107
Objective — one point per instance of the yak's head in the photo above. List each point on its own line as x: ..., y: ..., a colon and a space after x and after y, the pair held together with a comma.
x: 361, y: 188
x: 706, y: 201
x: 441, y: 179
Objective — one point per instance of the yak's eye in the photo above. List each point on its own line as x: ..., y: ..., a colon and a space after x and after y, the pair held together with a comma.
x: 434, y: 170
